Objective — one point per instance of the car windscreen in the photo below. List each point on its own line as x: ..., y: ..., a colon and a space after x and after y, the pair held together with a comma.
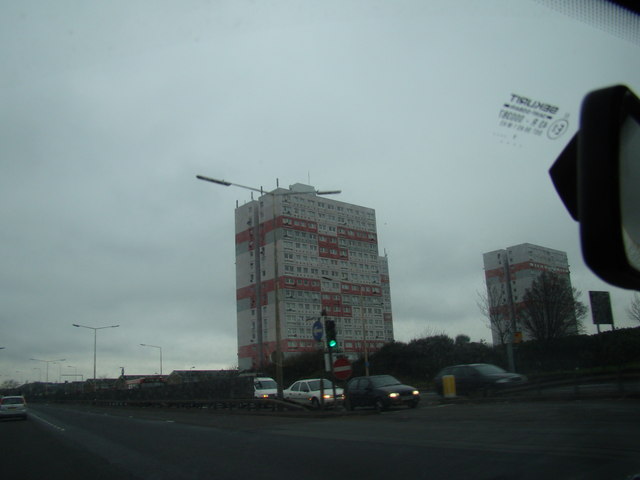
x: 384, y: 380
x: 489, y: 369
x: 266, y: 385
x: 12, y: 401
x: 315, y: 384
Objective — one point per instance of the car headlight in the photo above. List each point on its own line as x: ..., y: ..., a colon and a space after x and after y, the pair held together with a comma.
x: 394, y: 395
x: 416, y: 392
x: 327, y: 396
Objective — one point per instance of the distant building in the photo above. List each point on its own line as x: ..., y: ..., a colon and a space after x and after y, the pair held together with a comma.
x: 132, y: 382
x: 509, y: 273
x: 324, y: 256
x: 197, y: 376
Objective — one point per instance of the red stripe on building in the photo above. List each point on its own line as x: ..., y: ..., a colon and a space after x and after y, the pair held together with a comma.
x: 297, y: 224
x: 350, y: 288
x: 246, y: 292
x: 312, y: 284
x: 496, y: 272
x: 245, y: 236
x: 359, y: 235
x: 300, y: 283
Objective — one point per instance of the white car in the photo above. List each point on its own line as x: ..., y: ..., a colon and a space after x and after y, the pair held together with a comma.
x: 307, y: 392
x: 265, y: 387
x: 13, y: 406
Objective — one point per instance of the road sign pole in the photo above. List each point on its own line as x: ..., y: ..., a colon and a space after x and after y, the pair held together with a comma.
x: 322, y: 380
x: 322, y: 392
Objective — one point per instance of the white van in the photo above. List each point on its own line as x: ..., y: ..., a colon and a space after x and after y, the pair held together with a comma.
x: 265, y: 387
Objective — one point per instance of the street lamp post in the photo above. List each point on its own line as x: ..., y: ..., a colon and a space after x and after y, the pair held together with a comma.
x: 59, y: 371
x: 95, y: 344
x: 364, y: 335
x: 364, y: 331
x: 159, y: 348
x: 48, y: 362
x: 278, y: 352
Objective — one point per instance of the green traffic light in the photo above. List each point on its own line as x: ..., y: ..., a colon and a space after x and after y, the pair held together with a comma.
x: 330, y: 328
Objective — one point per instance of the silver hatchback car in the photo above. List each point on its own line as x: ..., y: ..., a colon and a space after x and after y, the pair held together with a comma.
x: 13, y: 407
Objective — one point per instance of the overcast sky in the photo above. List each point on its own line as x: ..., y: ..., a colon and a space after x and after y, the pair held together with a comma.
x: 108, y: 110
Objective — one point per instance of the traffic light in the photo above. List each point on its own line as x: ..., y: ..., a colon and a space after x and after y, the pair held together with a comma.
x: 330, y: 328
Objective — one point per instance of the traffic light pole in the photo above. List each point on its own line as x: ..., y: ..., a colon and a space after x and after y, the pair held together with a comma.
x: 322, y: 384
x: 333, y: 378
x: 330, y: 331
x: 324, y: 367
x: 330, y: 339
x: 333, y: 383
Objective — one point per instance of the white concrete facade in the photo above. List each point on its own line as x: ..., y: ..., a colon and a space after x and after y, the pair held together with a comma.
x: 509, y: 273
x: 324, y: 254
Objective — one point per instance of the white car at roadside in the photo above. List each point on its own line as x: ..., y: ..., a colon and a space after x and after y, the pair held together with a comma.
x: 13, y: 406
x: 308, y: 392
x: 265, y: 387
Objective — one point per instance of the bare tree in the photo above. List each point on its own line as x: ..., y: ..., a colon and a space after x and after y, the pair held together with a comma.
x: 10, y: 384
x: 633, y: 310
x: 495, y: 310
x: 551, y: 309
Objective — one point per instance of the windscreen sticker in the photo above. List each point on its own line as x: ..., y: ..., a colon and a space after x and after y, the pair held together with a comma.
x: 520, y: 117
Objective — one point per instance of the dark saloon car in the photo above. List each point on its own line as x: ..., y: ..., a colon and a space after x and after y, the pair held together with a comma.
x: 379, y: 391
x: 481, y: 378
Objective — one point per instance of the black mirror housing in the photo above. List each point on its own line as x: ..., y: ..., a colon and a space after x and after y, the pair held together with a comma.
x: 598, y: 178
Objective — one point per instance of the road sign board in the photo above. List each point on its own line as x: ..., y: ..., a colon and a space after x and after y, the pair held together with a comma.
x: 317, y: 330
x: 342, y: 368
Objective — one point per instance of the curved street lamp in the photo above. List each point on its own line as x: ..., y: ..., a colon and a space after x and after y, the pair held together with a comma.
x: 278, y: 352
x: 159, y: 348
x: 95, y: 342
x: 48, y: 362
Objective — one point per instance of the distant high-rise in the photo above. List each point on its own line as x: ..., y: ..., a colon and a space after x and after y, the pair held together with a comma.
x: 509, y: 273
x: 323, y: 254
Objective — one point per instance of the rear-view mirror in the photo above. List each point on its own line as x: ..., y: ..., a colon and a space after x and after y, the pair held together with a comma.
x: 598, y: 178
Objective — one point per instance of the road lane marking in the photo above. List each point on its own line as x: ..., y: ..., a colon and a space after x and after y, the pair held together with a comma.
x: 57, y: 427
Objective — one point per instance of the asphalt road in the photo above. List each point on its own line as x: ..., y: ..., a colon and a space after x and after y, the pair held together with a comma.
x: 550, y: 440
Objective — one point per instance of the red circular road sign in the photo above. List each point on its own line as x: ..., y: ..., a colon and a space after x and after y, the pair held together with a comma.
x: 342, y: 368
